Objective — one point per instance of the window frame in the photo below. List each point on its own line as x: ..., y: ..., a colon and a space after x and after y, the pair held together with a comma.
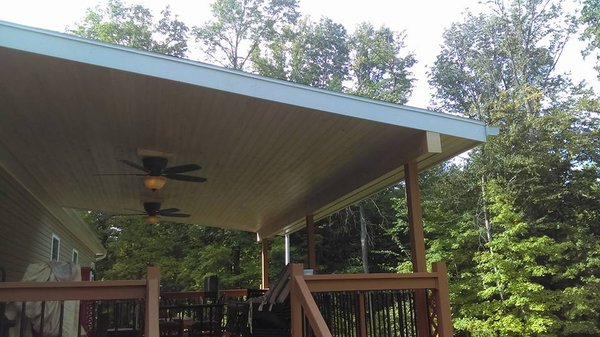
x: 57, y: 238
x: 75, y: 256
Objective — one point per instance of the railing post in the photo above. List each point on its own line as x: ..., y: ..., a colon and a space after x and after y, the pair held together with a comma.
x: 264, y: 263
x: 442, y: 300
x: 297, y: 269
x: 417, y: 243
x: 152, y: 302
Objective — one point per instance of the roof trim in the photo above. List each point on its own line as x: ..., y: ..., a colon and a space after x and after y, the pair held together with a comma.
x: 77, y: 49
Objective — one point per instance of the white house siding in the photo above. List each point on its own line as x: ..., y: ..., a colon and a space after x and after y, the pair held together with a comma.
x: 26, y: 228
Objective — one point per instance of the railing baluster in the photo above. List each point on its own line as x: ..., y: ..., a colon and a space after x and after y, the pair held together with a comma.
x: 60, y: 320
x: 43, y: 318
x: 22, y: 327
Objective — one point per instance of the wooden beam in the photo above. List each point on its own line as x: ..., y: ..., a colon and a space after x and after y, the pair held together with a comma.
x: 370, y: 282
x: 265, y: 264
x: 415, y: 217
x: 73, y: 290
x: 312, y: 250
x: 417, y: 243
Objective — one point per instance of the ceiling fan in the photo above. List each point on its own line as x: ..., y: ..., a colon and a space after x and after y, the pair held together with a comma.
x: 156, y: 172
x: 152, y: 212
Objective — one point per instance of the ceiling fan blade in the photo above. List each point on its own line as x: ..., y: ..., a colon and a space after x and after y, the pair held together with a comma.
x: 168, y: 210
x: 134, y: 165
x: 181, y: 169
x: 185, y: 178
x: 135, y: 210
x: 120, y: 174
x: 129, y: 214
x: 176, y: 215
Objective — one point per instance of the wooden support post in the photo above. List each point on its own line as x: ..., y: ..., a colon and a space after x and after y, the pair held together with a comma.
x: 297, y: 316
x: 415, y: 217
x: 417, y: 243
x: 152, y: 302
x: 312, y: 251
x: 265, y: 264
x: 442, y: 300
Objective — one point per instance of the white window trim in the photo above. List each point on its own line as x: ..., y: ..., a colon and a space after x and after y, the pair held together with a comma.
x: 73, y: 254
x: 54, y: 236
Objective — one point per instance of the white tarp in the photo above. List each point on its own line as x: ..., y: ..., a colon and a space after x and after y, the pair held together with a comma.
x: 50, y: 271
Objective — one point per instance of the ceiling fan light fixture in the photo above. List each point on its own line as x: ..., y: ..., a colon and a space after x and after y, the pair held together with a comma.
x: 154, y: 182
x: 152, y: 219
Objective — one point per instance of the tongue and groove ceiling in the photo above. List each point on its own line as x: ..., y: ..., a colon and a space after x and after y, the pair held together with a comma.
x: 272, y: 151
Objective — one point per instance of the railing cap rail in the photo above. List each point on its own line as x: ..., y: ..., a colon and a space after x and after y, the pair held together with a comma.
x: 72, y: 290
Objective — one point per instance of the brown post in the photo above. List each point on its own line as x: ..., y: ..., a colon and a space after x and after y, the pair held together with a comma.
x: 417, y: 243
x: 415, y: 217
x: 442, y: 301
x: 312, y: 251
x: 297, y: 269
x: 152, y: 301
x: 265, y: 264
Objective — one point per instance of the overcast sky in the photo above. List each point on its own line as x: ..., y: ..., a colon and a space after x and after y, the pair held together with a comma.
x: 423, y: 20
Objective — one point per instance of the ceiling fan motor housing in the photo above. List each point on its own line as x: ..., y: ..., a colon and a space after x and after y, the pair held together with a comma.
x: 152, y: 208
x: 155, y: 165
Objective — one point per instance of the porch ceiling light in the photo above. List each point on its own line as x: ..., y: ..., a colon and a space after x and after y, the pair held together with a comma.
x: 152, y: 219
x: 154, y: 182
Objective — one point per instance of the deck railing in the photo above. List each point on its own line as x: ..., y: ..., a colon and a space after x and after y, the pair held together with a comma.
x: 114, y: 298
x: 374, y: 305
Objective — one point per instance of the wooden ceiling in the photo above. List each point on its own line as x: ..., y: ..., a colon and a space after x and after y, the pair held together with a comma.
x: 268, y: 163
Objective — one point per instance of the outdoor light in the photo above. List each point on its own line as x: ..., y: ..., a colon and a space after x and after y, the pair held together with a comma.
x: 152, y: 219
x: 154, y: 182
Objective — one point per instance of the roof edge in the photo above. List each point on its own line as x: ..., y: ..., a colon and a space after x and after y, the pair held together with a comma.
x: 69, y: 47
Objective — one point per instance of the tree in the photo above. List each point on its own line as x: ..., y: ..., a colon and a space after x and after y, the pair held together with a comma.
x: 133, y: 26
x: 531, y: 186
x: 314, y: 54
x: 241, y: 26
x: 590, y: 17
x: 378, y: 69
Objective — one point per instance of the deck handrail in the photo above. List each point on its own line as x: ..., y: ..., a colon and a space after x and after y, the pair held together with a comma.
x: 304, y: 285
x: 194, y: 294
x: 147, y: 289
x: 302, y: 300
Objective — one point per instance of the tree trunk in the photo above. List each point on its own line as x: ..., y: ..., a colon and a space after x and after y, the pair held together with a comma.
x: 364, y: 244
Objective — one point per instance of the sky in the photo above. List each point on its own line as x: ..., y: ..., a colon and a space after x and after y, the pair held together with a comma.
x: 423, y: 20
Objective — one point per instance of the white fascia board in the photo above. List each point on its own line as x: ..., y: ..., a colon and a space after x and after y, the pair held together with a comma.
x: 76, y: 49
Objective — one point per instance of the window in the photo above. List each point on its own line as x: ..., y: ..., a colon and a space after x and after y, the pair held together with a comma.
x: 75, y: 258
x: 55, y: 248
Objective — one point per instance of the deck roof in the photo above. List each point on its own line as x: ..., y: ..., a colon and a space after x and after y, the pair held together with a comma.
x: 272, y: 151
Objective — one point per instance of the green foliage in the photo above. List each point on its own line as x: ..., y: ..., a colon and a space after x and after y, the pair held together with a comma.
x: 314, y: 54
x: 525, y: 238
x: 241, y: 26
x: 133, y: 26
x: 378, y: 70
x: 185, y: 254
x: 590, y: 17
x: 368, y: 63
